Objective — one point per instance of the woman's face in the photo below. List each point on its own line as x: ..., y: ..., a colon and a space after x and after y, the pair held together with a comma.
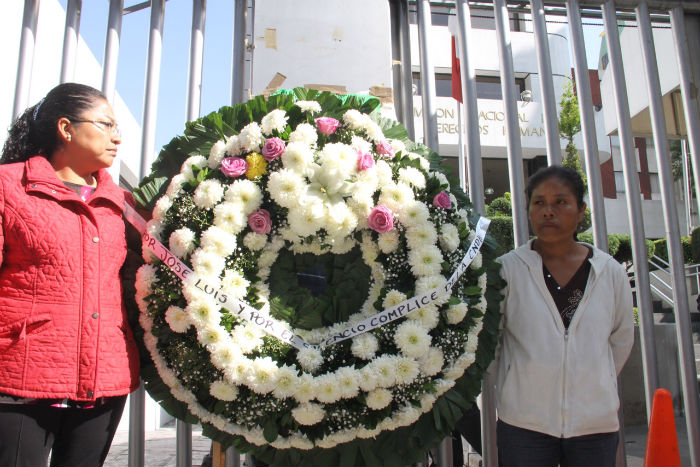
x: 93, y: 139
x: 554, y: 212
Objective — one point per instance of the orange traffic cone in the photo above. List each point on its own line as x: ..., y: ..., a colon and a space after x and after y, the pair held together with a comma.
x: 662, y: 443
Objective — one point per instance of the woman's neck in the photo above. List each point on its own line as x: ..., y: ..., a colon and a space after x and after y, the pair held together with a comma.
x: 67, y: 174
x: 559, y: 249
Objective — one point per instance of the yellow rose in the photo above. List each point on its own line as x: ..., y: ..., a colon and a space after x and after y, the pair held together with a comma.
x: 257, y: 165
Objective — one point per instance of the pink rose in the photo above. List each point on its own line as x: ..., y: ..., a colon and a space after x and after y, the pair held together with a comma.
x: 260, y: 221
x: 364, y: 161
x: 442, y: 200
x: 385, y: 149
x: 273, y: 148
x: 234, y: 166
x: 327, y: 125
x: 380, y: 219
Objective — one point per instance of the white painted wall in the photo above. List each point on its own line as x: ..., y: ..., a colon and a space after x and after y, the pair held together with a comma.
x: 329, y: 42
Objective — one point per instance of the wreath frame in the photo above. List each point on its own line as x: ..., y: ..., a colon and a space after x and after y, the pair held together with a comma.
x: 398, y: 447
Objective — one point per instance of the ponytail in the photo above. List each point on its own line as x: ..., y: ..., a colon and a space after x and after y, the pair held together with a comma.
x: 35, y: 132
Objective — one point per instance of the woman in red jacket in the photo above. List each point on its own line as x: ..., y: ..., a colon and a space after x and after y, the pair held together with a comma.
x: 67, y: 355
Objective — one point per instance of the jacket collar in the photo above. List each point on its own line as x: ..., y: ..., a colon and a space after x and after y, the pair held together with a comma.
x: 534, y: 260
x: 41, y: 177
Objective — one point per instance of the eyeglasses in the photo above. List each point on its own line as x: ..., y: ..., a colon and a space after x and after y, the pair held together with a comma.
x: 111, y: 127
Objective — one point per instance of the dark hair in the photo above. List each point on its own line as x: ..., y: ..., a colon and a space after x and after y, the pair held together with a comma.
x: 35, y: 133
x: 567, y: 176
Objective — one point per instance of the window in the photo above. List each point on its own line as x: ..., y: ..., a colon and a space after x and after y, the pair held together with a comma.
x: 487, y: 87
x: 443, y: 84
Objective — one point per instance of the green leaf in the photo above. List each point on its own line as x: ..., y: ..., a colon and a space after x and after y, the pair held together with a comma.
x: 271, y: 430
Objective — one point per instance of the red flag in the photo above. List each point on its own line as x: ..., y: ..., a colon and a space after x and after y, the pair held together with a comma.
x: 456, y: 75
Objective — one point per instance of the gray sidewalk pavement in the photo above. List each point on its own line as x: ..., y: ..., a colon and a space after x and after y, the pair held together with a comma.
x: 160, y: 447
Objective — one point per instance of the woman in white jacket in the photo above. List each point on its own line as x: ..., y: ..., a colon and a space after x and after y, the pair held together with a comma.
x: 567, y: 331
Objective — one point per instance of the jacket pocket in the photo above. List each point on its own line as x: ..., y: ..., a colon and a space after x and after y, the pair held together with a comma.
x: 32, y: 325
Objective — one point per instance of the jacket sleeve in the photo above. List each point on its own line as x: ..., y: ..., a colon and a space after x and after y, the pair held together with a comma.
x: 622, y: 336
x: 502, y: 322
x: 2, y: 223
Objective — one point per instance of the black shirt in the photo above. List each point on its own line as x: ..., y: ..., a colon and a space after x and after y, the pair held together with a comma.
x: 568, y: 297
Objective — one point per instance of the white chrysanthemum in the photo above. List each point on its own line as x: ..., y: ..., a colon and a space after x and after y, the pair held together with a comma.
x: 219, y: 241
x: 354, y: 119
x: 286, y: 381
x: 308, y: 414
x: 145, y: 277
x: 203, y: 312
x: 286, y: 187
x: 384, y: 371
x: 308, y: 106
x: 233, y: 146
x: 364, y: 346
x: 208, y: 193
x: 181, y: 242
x: 412, y: 176
x: 369, y: 377
x: 441, y: 178
x: 456, y: 313
x: 175, y: 185
x: 428, y: 316
x: 305, y: 134
x: 340, y: 220
x: 481, y: 282
x: 246, y: 193
x: 307, y: 219
x: 340, y: 155
x: 373, y: 130
x: 206, y: 263
x: 230, y: 216
x: 247, y: 337
x: 196, y: 161
x: 274, y: 121
x: 223, y: 354
x: 328, y: 390
x: 210, y: 335
x: 348, y: 382
x: 235, y: 284
x: 405, y: 370
x: 421, y: 235
x: 437, y: 281
x: 414, y: 214
x: 425, y: 260
x: 393, y: 298
x: 462, y: 213
x: 255, y: 241
x: 361, y: 144
x: 449, y: 237
x: 263, y: 377
x: 305, y: 389
x: 396, y: 195
x: 432, y: 362
x: 216, y: 154
x: 223, y: 391
x: 310, y: 359
x: 251, y: 137
x: 412, y: 339
x: 388, y: 241
x: 298, y: 157
x: 481, y: 306
x: 378, y: 399
x: 237, y: 371
x: 398, y: 145
x: 477, y: 262
x: 384, y: 173
x: 177, y: 319
x: 161, y: 207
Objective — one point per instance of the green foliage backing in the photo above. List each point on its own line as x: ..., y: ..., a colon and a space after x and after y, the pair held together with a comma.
x: 695, y: 244
x: 661, y: 249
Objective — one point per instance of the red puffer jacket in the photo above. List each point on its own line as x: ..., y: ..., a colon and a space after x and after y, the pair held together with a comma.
x: 63, y: 327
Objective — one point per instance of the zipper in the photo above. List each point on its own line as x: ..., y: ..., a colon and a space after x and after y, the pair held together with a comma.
x: 563, y: 389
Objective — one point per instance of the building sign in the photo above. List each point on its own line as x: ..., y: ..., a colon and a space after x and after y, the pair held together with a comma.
x: 492, y: 122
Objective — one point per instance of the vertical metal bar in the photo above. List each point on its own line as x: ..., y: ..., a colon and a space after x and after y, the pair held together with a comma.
x: 461, y: 163
x: 444, y: 453
x: 183, y: 442
x: 686, y: 189
x: 238, y: 64
x: 544, y: 66
x: 109, y: 66
x: 634, y: 205
x: 150, y: 101
x: 688, y: 91
x: 475, y: 178
x: 194, y: 79
x: 515, y: 156
x: 70, y: 39
x: 427, y: 76
x: 137, y: 431
x: 590, y: 141
x: 394, y: 15
x: 233, y: 459
x: 686, y: 353
x: 407, y: 89
x: 26, y: 57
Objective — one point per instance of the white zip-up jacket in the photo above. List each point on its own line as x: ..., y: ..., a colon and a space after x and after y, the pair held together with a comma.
x: 556, y: 381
